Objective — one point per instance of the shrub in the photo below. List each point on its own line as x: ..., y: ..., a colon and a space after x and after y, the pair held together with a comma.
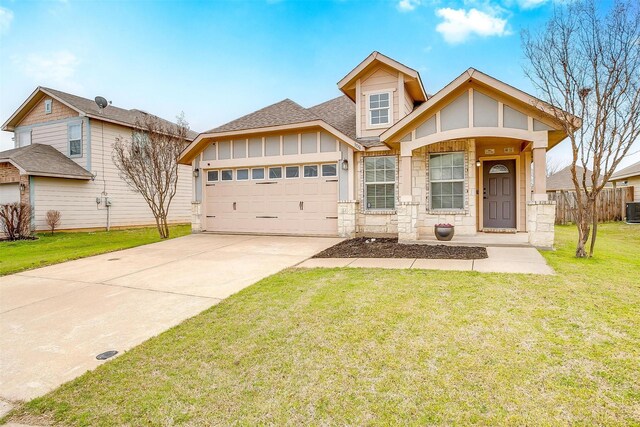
x: 53, y: 220
x: 15, y: 220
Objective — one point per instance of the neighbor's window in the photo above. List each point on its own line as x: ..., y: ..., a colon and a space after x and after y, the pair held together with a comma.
x: 24, y: 138
x: 227, y: 175
x: 212, y: 176
x: 446, y: 175
x: 257, y: 173
x: 379, y: 108
x: 310, y: 171
x: 380, y: 182
x: 329, y: 169
x: 275, y: 172
x: 292, y: 172
x: 75, y: 140
x: 242, y: 174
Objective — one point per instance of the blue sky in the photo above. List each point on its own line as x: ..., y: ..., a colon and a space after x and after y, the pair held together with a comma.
x: 219, y: 60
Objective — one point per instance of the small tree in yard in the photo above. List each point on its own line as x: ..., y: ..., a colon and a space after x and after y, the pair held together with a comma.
x: 149, y: 163
x: 587, y: 63
x: 15, y: 220
x: 53, y: 220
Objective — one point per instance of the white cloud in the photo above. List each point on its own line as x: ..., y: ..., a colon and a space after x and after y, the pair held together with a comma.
x: 6, y: 17
x: 56, y: 68
x: 408, y: 5
x: 459, y: 24
x: 530, y: 4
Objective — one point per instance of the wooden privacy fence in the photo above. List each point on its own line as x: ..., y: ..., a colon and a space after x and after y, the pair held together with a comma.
x: 612, y: 204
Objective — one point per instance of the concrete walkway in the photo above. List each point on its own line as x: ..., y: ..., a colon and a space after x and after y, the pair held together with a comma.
x: 501, y: 260
x: 55, y: 320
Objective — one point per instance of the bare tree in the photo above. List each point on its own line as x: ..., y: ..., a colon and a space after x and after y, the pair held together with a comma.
x: 149, y: 163
x: 552, y: 167
x: 15, y: 220
x: 587, y: 62
x: 53, y: 220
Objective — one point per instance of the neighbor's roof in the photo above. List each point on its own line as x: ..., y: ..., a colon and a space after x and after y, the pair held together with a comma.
x: 83, y: 106
x: 562, y: 180
x: 44, y: 160
x: 628, y: 172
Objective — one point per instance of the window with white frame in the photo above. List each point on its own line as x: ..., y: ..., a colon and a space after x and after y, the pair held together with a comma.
x: 242, y: 174
x: 310, y: 171
x: 329, y: 169
x: 292, y: 172
x: 24, y: 138
x: 380, y: 182
x: 275, y: 172
x: 446, y: 177
x: 226, y: 175
x: 75, y: 140
x: 47, y: 106
x: 257, y: 173
x: 212, y: 176
x: 379, y: 108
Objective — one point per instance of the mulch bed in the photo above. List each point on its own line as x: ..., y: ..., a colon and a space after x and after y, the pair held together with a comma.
x: 363, y: 247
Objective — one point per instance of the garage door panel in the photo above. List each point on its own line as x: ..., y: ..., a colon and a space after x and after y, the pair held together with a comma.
x: 273, y: 206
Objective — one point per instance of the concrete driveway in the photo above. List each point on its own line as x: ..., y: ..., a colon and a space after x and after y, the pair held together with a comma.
x: 55, y: 320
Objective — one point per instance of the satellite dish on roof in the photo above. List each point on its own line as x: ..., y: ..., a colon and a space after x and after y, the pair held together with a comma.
x: 102, y: 102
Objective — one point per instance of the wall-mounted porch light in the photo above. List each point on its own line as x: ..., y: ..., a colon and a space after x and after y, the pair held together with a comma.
x: 345, y: 165
x: 196, y: 172
x: 23, y: 187
x: 477, y: 163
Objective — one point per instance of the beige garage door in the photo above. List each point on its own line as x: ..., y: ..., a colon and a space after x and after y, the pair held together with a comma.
x: 263, y: 200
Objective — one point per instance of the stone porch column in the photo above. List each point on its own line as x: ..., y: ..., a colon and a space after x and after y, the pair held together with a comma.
x: 347, y: 218
x: 407, y: 213
x: 541, y: 218
x: 196, y: 217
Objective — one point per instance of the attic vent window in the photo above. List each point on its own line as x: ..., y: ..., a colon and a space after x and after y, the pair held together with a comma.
x: 379, y: 108
x: 47, y: 106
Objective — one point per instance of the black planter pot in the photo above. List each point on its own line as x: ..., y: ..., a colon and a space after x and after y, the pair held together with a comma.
x: 444, y: 233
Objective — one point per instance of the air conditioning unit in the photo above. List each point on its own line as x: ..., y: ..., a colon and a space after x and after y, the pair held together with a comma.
x: 633, y: 213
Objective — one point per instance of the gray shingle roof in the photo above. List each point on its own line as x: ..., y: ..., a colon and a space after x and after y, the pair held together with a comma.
x: 285, y: 112
x: 121, y: 115
x: 44, y: 160
x: 562, y: 180
x: 339, y: 113
x: 629, y: 171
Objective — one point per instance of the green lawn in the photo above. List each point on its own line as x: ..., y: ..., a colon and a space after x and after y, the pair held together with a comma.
x: 384, y: 347
x: 52, y: 249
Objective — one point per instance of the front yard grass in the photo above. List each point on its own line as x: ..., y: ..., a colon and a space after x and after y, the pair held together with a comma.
x: 389, y: 347
x: 64, y: 246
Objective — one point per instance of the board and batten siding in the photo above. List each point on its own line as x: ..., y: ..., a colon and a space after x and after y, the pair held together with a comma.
x: 76, y: 199
x: 381, y: 80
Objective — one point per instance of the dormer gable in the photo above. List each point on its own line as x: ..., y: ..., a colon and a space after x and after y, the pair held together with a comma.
x: 384, y: 91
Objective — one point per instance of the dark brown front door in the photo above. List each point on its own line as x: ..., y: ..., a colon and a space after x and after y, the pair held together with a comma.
x: 499, y: 194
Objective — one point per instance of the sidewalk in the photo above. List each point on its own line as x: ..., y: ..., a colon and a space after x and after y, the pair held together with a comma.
x: 501, y: 260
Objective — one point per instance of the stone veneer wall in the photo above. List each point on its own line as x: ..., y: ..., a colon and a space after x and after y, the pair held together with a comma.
x: 465, y: 221
x: 375, y: 223
x: 541, y: 217
x: 347, y: 217
x: 380, y: 223
x: 196, y: 217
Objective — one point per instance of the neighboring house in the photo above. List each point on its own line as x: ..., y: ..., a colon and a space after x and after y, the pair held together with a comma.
x: 384, y: 158
x: 562, y: 179
x: 629, y: 176
x: 62, y: 161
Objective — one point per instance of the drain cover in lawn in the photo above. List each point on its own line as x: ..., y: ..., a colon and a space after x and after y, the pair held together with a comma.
x: 363, y: 247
